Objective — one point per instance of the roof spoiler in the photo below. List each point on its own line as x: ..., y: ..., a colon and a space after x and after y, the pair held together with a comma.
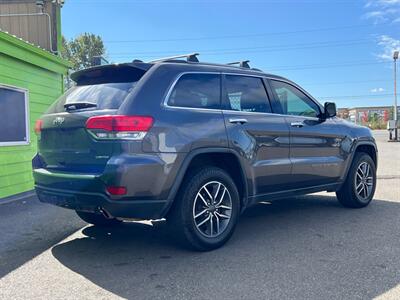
x: 106, y: 73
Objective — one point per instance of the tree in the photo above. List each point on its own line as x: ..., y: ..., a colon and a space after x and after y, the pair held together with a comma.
x: 81, y: 50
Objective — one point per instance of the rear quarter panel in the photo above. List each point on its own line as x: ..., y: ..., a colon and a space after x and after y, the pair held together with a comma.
x: 176, y: 131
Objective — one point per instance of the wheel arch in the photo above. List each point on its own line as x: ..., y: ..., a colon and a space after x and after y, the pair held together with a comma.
x: 347, y: 194
x: 365, y: 146
x: 368, y: 148
x: 215, y: 157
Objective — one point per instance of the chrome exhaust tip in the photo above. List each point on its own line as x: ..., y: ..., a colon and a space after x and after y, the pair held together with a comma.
x: 105, y: 213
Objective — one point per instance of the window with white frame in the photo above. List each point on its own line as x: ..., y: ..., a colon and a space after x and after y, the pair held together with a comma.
x: 14, y: 119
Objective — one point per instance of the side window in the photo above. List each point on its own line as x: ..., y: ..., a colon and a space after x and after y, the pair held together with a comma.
x: 247, y: 94
x: 197, y: 91
x: 293, y: 101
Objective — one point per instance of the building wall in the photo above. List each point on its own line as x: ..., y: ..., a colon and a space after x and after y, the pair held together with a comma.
x: 34, y: 29
x: 41, y: 73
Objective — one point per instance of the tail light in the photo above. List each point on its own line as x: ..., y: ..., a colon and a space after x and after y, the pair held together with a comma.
x: 116, y: 190
x: 119, y: 127
x: 38, y: 126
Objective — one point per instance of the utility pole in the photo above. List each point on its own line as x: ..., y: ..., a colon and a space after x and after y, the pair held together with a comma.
x: 395, y: 57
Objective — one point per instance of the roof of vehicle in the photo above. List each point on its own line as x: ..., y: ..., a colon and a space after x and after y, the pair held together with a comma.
x: 84, y: 76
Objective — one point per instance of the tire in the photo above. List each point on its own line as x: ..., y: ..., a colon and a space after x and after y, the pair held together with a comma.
x: 355, y: 191
x: 97, y: 219
x: 190, y: 210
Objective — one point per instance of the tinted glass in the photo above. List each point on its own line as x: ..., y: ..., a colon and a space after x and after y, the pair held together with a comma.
x: 105, y: 96
x: 246, y: 94
x: 197, y: 91
x: 13, y: 119
x: 293, y: 101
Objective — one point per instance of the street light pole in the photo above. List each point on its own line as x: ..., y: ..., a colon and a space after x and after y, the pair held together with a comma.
x: 395, y: 57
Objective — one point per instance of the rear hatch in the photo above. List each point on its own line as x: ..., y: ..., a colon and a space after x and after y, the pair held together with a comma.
x: 64, y: 142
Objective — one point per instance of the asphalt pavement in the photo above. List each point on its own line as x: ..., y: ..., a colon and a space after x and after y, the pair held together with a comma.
x: 306, y: 247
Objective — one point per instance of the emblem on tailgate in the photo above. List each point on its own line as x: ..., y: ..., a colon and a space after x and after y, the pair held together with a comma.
x: 58, y: 121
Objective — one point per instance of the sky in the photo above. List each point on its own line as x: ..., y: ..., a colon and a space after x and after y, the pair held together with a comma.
x: 338, y: 50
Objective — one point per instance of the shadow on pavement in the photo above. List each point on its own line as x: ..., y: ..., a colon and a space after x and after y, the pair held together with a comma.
x: 28, y: 228
x: 305, y: 247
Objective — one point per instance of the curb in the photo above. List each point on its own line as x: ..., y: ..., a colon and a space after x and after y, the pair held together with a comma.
x: 17, y: 197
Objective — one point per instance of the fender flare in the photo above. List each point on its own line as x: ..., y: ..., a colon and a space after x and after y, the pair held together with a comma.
x: 357, y: 143
x: 185, y: 165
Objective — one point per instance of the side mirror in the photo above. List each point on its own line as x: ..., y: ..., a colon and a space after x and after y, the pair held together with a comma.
x: 329, y: 110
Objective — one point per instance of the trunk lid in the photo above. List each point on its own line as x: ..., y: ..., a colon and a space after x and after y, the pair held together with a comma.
x: 65, y: 143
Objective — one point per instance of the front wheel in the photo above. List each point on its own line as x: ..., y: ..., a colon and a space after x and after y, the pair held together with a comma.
x: 359, y: 188
x: 206, y: 211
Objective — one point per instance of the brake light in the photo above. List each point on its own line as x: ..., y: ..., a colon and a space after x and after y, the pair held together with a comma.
x: 119, y: 127
x: 116, y: 190
x: 38, y: 126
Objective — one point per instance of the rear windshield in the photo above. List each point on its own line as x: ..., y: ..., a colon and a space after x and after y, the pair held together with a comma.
x: 104, y: 96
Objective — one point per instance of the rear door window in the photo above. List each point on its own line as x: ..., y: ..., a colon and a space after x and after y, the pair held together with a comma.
x: 196, y: 91
x: 102, y: 96
x: 247, y: 94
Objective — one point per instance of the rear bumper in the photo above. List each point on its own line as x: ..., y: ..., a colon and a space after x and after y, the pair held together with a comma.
x: 95, y: 202
x: 86, y: 192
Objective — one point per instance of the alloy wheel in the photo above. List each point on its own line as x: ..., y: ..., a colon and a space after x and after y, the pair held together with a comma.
x: 212, y: 209
x: 364, y: 181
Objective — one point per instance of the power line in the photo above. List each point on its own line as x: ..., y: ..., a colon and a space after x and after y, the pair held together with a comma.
x: 321, y: 66
x: 200, y: 1
x: 237, y: 36
x: 347, y: 82
x: 273, y: 48
x: 341, y: 2
x: 324, y: 66
x: 356, y: 96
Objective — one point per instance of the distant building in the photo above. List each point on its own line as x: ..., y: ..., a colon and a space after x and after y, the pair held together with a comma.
x: 34, y: 21
x: 31, y: 79
x: 343, y: 113
x: 374, y: 116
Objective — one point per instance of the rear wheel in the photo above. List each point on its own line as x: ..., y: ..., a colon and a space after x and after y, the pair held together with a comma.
x: 359, y: 188
x: 97, y: 219
x: 206, y: 211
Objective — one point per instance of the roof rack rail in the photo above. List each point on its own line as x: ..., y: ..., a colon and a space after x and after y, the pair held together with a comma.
x: 242, y: 63
x: 192, y: 57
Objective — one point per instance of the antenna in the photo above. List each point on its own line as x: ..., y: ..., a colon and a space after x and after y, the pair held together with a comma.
x: 192, y: 57
x: 242, y: 63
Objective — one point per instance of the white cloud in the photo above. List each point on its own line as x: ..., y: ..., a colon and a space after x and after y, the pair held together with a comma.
x: 379, y: 16
x: 389, y: 45
x: 382, y: 11
x: 372, y: 3
x: 389, y: 2
x: 377, y: 90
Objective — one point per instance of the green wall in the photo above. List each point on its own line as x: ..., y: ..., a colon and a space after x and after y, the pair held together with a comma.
x: 41, y: 73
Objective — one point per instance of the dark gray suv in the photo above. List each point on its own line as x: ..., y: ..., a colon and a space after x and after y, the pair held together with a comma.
x: 195, y: 143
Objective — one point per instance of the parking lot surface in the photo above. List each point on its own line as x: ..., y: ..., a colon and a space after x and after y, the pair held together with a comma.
x: 307, y: 247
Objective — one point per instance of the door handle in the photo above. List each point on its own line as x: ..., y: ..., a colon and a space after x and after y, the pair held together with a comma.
x: 297, y: 124
x: 238, y: 121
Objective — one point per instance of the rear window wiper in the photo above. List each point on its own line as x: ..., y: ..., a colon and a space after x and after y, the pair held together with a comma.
x: 79, y: 105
